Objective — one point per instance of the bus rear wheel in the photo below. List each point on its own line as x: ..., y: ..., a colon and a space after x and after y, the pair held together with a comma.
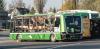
x: 53, y: 38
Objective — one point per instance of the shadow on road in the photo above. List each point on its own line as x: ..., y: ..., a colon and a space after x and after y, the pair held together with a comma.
x: 41, y: 46
x: 1, y: 35
x: 14, y: 46
x: 4, y: 33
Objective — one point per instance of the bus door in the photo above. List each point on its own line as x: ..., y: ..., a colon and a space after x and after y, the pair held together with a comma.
x: 86, y: 27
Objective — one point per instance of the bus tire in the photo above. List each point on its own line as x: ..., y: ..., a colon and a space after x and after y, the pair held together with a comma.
x: 53, y: 38
x: 17, y: 38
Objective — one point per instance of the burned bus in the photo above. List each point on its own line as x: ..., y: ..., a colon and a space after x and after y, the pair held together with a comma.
x: 46, y: 27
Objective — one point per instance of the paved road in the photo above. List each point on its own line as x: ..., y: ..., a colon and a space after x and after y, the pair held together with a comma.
x: 94, y: 44
x: 6, y: 43
x: 4, y: 33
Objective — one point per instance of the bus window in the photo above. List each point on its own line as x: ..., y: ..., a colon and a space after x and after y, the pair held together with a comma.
x: 94, y: 15
x: 57, y: 22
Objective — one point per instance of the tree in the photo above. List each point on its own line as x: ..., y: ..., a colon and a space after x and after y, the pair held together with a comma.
x: 32, y: 11
x: 52, y: 10
x: 84, y: 4
x: 11, y: 7
x: 20, y: 4
x: 39, y: 5
x: 1, y: 5
x: 91, y: 5
x: 69, y: 5
x: 96, y: 5
x: 87, y: 4
x: 16, y: 4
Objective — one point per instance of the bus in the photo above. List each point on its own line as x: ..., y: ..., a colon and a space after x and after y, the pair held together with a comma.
x: 51, y: 27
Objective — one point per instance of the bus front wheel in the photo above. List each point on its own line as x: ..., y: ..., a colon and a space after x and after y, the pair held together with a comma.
x: 18, y: 38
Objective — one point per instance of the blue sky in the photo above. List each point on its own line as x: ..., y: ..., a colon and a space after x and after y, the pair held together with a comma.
x: 50, y: 3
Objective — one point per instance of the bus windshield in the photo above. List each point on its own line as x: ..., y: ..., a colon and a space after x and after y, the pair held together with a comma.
x: 73, y: 24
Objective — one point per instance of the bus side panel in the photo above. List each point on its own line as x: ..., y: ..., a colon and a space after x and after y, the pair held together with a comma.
x: 13, y: 36
x: 33, y: 36
x: 58, y: 36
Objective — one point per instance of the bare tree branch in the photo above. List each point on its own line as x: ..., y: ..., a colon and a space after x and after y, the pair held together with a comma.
x: 39, y: 5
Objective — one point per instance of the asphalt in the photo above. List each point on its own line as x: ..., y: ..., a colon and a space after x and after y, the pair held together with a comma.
x: 6, y: 43
x: 52, y: 45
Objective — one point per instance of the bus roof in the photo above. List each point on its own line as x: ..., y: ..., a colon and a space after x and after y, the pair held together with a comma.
x: 33, y: 15
x: 80, y: 11
x: 94, y: 12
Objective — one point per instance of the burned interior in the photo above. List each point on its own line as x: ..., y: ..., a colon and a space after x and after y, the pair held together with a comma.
x: 34, y: 23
